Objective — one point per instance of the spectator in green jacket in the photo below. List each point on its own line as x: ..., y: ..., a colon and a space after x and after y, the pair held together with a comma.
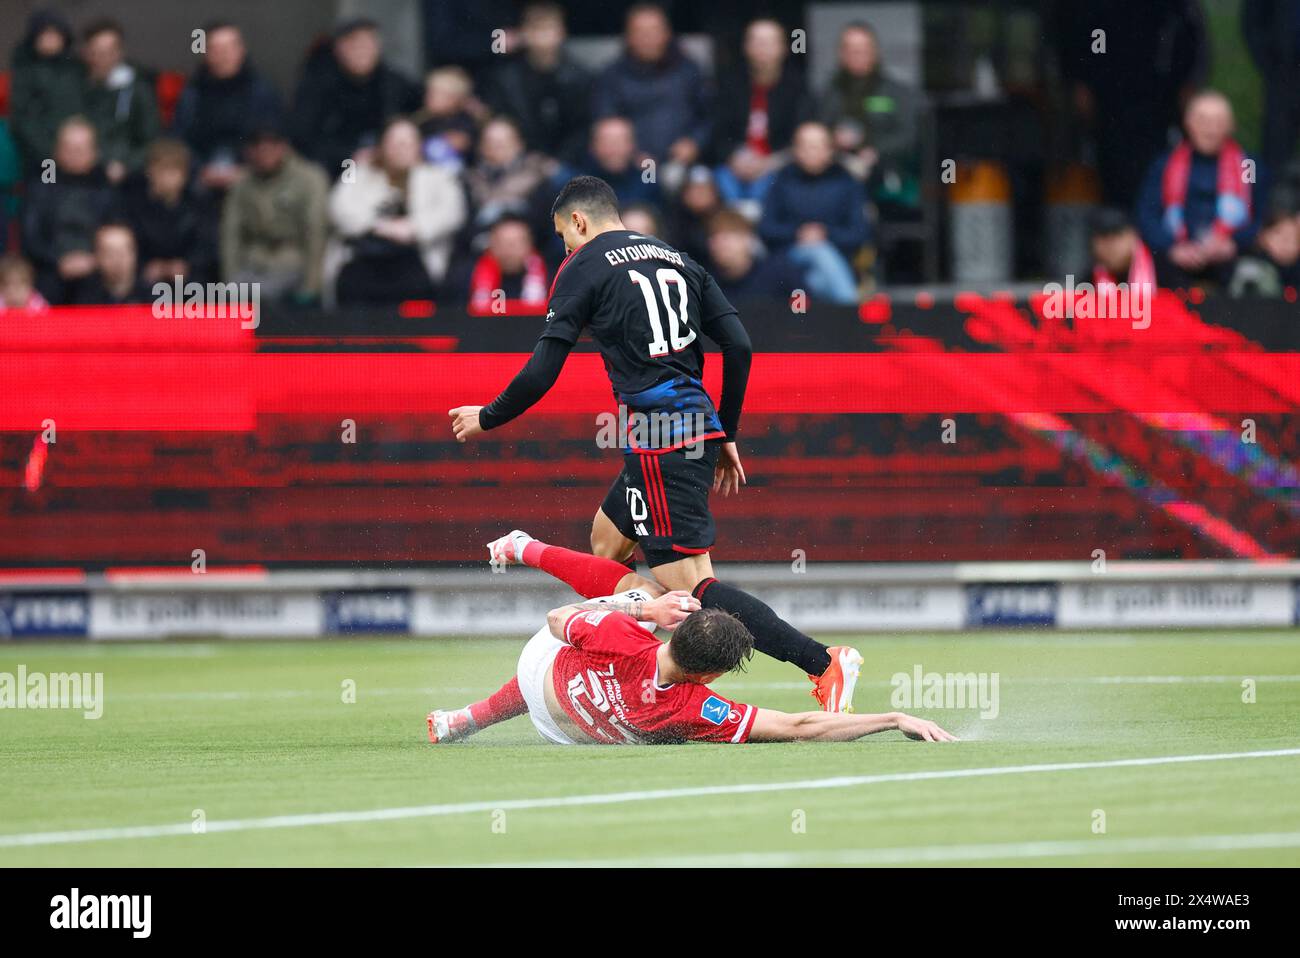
x: 875, y: 118
x: 45, y: 90
x: 273, y: 222
x: 118, y: 98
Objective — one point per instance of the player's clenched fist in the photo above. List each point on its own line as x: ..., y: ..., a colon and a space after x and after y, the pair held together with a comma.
x: 670, y: 609
x: 464, y: 422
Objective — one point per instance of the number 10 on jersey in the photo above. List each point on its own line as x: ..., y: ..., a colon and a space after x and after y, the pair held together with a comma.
x: 677, y: 320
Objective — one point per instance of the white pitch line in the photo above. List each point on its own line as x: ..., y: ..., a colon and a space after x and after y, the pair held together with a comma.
x: 932, y: 854
x: 610, y: 798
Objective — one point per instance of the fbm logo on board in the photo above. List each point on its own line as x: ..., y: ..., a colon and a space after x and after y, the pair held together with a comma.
x: 387, y: 610
x: 1021, y: 604
x: 43, y: 613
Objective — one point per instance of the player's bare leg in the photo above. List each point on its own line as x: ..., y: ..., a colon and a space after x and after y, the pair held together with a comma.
x: 833, y: 671
x: 607, y: 542
x: 688, y: 570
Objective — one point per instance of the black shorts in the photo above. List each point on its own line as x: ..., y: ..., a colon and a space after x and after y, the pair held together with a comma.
x: 662, y: 501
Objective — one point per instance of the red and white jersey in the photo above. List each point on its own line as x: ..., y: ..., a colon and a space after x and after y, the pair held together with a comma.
x: 606, y: 679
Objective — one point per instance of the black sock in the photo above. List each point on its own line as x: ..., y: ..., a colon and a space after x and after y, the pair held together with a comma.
x: 772, y: 635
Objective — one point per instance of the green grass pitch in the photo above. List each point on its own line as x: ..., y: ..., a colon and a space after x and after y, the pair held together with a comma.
x: 255, y: 738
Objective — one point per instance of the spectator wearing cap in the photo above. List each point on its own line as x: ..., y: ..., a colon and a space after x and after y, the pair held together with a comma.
x: 1198, y: 206
x: 45, y: 88
x: 816, y: 214
x: 876, y: 119
x: 447, y: 121
x: 614, y: 157
x: 175, y: 226
x: 118, y: 99
x: 506, y: 178
x: 18, y: 286
x: 1118, y: 253
x: 273, y: 221
x: 656, y: 86
x: 743, y: 271
x: 510, y: 276
x: 758, y: 107
x: 116, y: 280
x: 60, y: 216
x: 346, y: 94
x: 541, y: 88
x: 225, y: 100
x: 395, y: 224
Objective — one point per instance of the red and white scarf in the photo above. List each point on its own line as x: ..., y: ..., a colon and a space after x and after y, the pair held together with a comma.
x: 1231, y: 209
x: 486, y: 280
x: 1141, y: 270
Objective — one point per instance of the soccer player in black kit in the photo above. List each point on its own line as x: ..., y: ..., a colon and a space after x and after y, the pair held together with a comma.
x: 646, y: 305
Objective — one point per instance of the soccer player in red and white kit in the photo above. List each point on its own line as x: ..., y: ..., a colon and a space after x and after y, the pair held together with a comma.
x: 597, y: 674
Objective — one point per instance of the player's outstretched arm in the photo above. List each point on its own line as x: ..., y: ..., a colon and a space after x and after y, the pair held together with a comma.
x: 773, y: 726
x: 529, y: 385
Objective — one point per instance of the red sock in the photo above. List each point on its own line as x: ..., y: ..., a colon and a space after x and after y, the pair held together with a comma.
x: 590, y: 576
x: 505, y: 703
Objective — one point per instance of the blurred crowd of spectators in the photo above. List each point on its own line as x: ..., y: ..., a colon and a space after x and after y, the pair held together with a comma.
x: 370, y: 188
x: 1197, y: 210
x: 1206, y: 213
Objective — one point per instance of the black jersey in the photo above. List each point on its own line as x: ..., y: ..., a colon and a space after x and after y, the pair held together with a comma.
x: 648, y: 307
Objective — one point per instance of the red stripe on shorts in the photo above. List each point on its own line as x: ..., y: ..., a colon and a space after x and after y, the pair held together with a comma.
x: 663, y: 496
x: 651, y: 500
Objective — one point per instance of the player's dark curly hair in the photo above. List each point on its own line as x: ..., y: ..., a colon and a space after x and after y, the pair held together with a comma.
x: 711, y: 641
x: 590, y: 194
